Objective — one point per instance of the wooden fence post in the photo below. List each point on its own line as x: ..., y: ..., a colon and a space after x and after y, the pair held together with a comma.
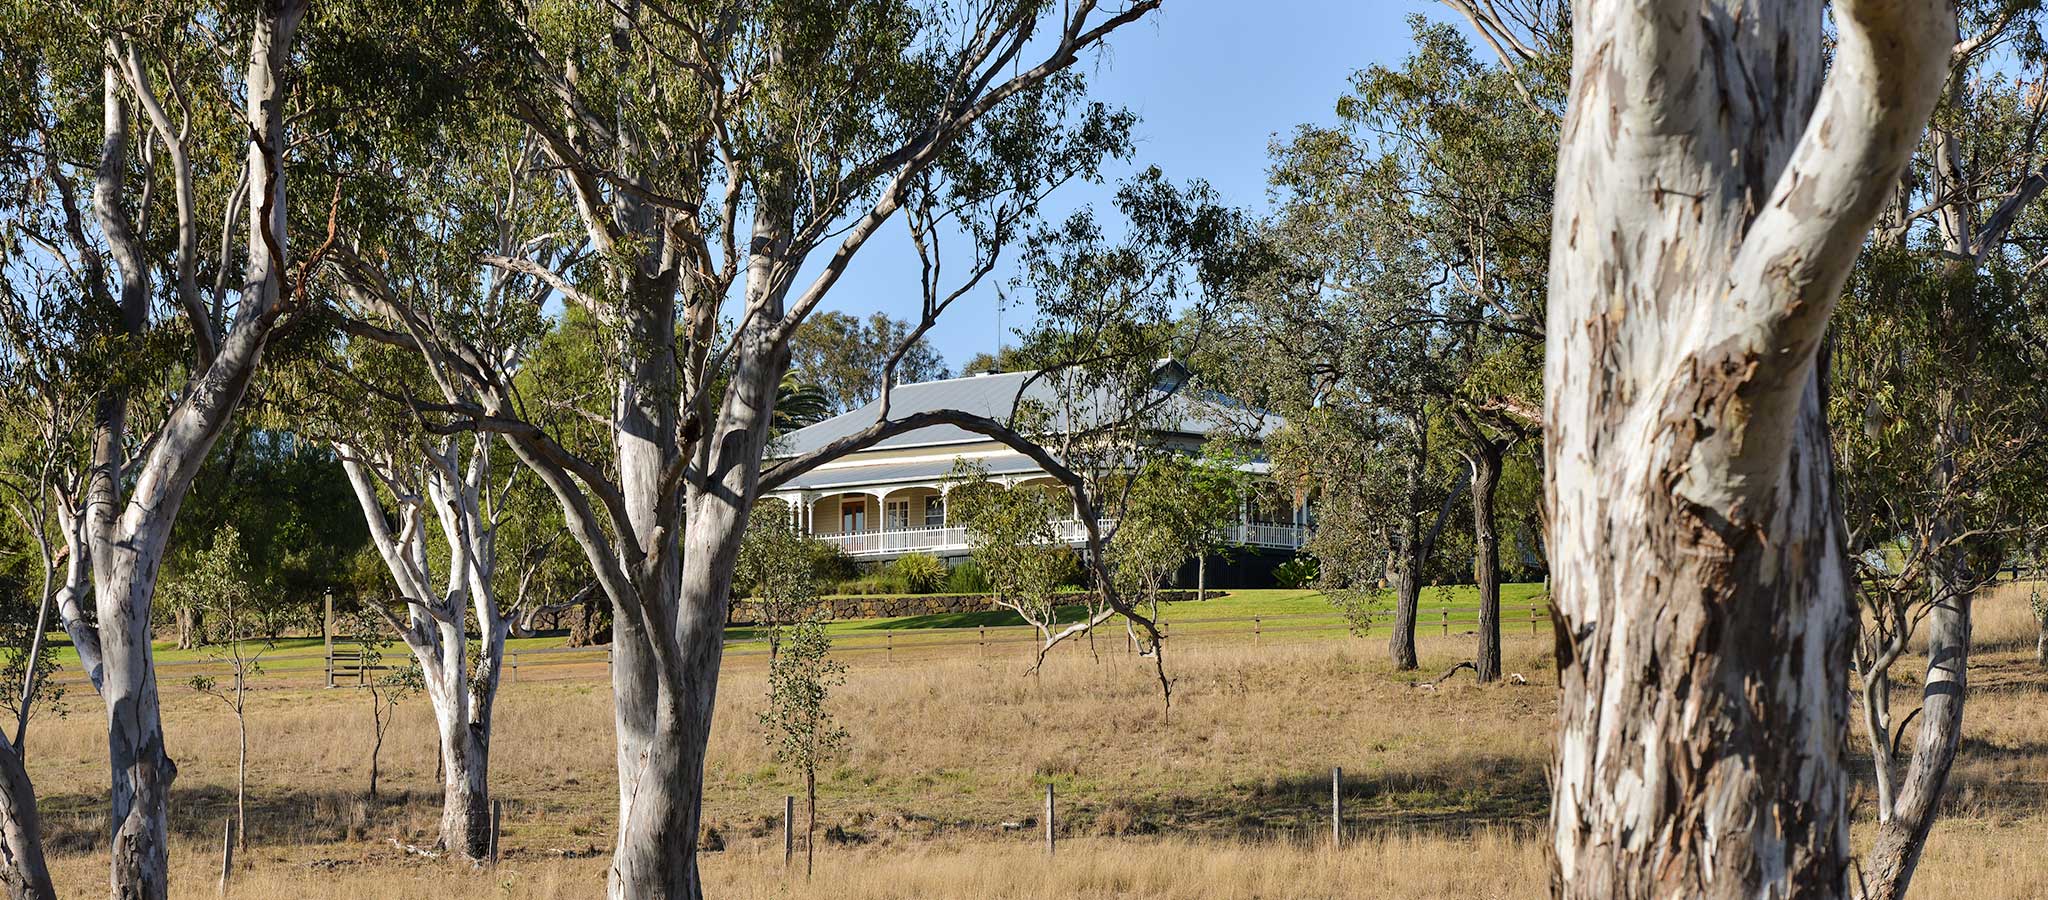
x: 788, y: 829
x: 497, y: 822
x: 1048, y: 819
x: 1336, y: 807
x: 1255, y: 629
x: 1446, y: 613
x: 327, y: 633
x: 227, y: 852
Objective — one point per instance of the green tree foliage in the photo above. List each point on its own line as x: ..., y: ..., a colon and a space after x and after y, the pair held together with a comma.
x: 1175, y: 513
x: 779, y: 571
x: 845, y: 356
x: 1010, y: 358
x: 386, y: 691
x: 222, y: 584
x: 1012, y: 537
x: 798, y: 403
x: 27, y: 662
x: 290, y: 507
x: 797, y: 718
x: 1397, y: 306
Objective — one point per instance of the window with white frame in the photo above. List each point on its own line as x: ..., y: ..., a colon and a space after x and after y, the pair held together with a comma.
x: 896, y: 514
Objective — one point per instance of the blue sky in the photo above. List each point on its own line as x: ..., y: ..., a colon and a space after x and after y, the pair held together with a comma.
x: 1212, y: 81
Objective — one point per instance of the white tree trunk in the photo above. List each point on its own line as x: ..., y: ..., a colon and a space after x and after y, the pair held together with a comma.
x: 1904, y: 825
x: 436, y: 629
x: 24, y: 875
x: 1712, y: 193
x: 465, y: 787
x: 128, y: 533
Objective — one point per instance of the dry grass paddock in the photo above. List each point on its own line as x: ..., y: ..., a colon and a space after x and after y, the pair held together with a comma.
x: 939, y: 792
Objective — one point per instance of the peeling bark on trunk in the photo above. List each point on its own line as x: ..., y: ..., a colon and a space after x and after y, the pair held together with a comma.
x: 189, y: 624
x: 587, y: 622
x: 1712, y: 193
x: 142, y: 770
x: 662, y: 748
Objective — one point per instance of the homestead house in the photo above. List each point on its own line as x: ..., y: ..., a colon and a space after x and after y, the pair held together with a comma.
x: 890, y: 499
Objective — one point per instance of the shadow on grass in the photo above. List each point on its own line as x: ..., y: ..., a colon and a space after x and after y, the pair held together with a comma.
x: 1456, y: 799
x: 77, y: 823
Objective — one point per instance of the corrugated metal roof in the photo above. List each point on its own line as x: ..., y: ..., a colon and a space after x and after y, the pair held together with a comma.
x: 994, y: 396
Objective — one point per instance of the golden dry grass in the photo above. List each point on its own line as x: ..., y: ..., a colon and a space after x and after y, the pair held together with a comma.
x: 1445, y: 789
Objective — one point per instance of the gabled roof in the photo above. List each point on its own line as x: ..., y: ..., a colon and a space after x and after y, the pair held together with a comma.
x: 995, y: 396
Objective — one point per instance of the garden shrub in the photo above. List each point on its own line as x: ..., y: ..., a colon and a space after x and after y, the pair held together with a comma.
x: 1299, y: 572
x: 921, y: 573
x: 967, y: 578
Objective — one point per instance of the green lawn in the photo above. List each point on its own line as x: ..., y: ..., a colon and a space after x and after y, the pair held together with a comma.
x: 1226, y: 606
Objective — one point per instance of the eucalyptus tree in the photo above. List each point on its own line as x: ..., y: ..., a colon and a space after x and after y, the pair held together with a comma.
x: 1175, y: 513
x: 1718, y: 169
x: 225, y: 585
x: 1013, y: 535
x: 1120, y: 313
x: 435, y: 494
x: 1935, y: 401
x: 800, y: 727
x: 1359, y: 379
x: 190, y: 103
x: 844, y: 355
x: 1416, y: 226
x: 433, y: 507
x: 1936, y: 393
x: 445, y: 481
x: 737, y: 157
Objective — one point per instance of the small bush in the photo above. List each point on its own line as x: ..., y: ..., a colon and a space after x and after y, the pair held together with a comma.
x: 967, y: 578
x: 830, y: 562
x: 1299, y: 572
x: 921, y: 573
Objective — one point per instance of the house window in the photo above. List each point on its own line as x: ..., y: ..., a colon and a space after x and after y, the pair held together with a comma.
x: 896, y: 514
x: 934, y: 511
x: 853, y: 516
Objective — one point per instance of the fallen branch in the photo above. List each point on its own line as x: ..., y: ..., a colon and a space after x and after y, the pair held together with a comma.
x: 1431, y: 684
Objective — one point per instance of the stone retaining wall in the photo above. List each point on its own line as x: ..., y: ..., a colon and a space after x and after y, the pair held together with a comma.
x: 745, y: 612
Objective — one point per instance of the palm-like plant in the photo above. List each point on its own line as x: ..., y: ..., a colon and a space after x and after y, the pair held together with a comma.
x: 798, y: 403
